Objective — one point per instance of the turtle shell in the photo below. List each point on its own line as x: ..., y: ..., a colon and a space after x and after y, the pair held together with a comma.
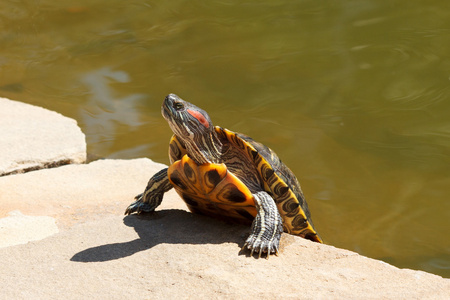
x: 211, y: 189
x: 225, y: 190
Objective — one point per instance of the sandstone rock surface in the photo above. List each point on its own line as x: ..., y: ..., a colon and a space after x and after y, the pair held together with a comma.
x: 33, y: 138
x: 99, y: 253
x: 17, y: 228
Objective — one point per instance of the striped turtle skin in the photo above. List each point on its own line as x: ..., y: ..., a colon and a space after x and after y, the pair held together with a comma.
x: 229, y: 176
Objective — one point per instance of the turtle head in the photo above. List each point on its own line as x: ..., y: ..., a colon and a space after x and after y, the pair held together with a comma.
x: 193, y: 126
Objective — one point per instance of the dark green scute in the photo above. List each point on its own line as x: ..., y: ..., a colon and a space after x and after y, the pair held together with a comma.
x: 299, y: 222
x: 190, y: 174
x: 268, y: 172
x: 176, y: 149
x: 281, y: 170
x: 291, y: 208
x: 232, y: 194
x: 213, y: 178
x: 176, y: 179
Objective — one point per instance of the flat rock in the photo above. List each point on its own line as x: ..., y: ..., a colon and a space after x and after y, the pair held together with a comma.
x: 33, y: 138
x: 75, y: 193
x: 18, y: 228
x: 99, y: 253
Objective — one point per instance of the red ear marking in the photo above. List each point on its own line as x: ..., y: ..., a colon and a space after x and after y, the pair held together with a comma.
x: 199, y: 117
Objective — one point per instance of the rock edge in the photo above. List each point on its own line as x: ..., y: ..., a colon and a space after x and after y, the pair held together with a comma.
x: 35, y: 138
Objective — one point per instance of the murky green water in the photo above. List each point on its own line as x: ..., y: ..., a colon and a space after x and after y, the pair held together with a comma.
x: 352, y: 95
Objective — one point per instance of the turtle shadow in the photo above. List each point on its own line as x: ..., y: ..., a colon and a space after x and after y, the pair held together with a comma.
x: 172, y: 226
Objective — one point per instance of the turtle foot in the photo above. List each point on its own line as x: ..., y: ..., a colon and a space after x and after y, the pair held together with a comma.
x: 266, y: 227
x: 260, y: 246
x: 139, y: 206
x: 152, y: 196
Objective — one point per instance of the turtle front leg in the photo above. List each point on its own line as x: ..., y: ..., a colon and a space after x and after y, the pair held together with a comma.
x: 266, y: 227
x: 152, y: 196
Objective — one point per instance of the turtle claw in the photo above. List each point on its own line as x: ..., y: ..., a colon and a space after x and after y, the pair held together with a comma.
x: 252, y: 249
x: 139, y: 206
x: 243, y: 247
x: 259, y: 247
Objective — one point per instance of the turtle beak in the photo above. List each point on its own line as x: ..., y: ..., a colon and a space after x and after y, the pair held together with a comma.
x: 171, y: 98
x: 168, y: 107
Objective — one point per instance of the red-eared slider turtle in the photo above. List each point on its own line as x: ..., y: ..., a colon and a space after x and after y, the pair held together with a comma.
x: 228, y: 175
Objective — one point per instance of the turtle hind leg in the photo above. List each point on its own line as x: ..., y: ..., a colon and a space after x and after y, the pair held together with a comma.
x: 266, y: 227
x: 152, y: 197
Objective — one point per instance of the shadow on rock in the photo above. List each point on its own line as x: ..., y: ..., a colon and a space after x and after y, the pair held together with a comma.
x: 169, y: 227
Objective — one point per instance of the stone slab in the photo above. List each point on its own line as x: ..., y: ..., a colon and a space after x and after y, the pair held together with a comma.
x: 33, y: 138
x: 99, y: 253
x: 73, y: 193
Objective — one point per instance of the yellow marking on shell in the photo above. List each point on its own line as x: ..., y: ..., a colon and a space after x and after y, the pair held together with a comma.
x: 276, y: 180
x: 176, y: 150
x: 211, y: 189
x: 288, y: 217
x: 231, y: 137
x: 209, y: 185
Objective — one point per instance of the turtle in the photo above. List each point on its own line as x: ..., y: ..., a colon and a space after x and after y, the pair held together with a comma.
x: 229, y: 176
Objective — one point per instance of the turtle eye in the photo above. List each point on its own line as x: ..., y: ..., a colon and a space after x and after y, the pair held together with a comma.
x: 178, y: 105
